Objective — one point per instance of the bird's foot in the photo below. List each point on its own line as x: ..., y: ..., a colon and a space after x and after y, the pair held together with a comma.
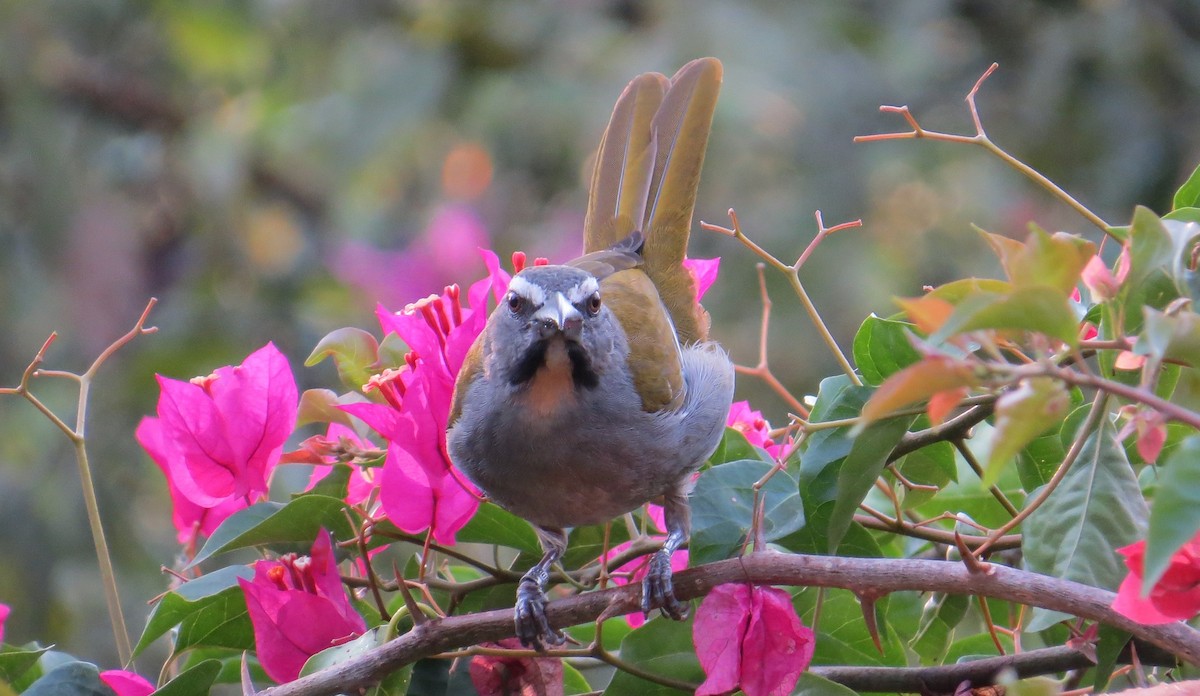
x: 657, y: 591
x: 533, y: 629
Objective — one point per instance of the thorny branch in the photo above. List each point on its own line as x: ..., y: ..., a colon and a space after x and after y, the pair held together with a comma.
x: 883, y: 575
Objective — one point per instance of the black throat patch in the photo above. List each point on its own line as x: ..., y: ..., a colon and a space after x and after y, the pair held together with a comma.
x: 582, y: 373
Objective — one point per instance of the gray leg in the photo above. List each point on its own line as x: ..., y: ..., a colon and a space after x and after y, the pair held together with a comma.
x: 657, y: 592
x: 532, y: 627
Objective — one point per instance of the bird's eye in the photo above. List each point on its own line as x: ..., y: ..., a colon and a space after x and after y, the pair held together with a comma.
x: 593, y: 304
x: 515, y: 302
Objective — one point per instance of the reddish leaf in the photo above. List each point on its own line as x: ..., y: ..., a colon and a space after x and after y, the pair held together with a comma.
x: 1054, y: 260
x: 918, y: 382
x: 1127, y: 360
x: 942, y: 403
x: 928, y: 312
x: 1101, y: 282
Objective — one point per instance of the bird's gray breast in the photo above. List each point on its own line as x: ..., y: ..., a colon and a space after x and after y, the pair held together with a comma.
x: 592, y: 457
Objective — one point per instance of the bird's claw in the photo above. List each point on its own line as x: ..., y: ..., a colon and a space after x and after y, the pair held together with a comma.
x: 658, y: 592
x: 533, y: 629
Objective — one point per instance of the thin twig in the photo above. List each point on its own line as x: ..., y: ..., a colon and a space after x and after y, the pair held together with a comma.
x: 793, y: 277
x: 937, y: 536
x: 763, y: 369
x: 972, y: 462
x: 981, y: 139
x: 78, y: 439
x: 1093, y: 420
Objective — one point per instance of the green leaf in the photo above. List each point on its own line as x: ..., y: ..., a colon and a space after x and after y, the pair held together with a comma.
x: 939, y: 617
x: 881, y: 348
x: 268, y: 523
x: 1151, y: 247
x: 493, y: 525
x: 354, y: 353
x: 1188, y: 195
x: 723, y: 507
x: 1160, y: 264
x: 735, y: 446
x: 813, y: 685
x: 837, y: 399
x: 975, y: 647
x: 814, y: 537
x: 211, y: 599
x: 70, y: 679
x: 1037, y: 309
x: 830, y: 452
x: 842, y: 636
x: 197, y: 679
x: 223, y: 624
x: 932, y: 465
x: 394, y: 683
x: 230, y: 660
x: 321, y: 406
x: 660, y: 647
x: 15, y: 661
x: 1108, y: 650
x: 1097, y: 508
x: 856, y: 476
x: 334, y: 485
x: 956, y: 291
x: 1035, y: 406
x: 1039, y: 460
x: 1043, y: 259
x: 1175, y: 516
x: 574, y: 682
x: 1174, y: 336
x: 585, y: 544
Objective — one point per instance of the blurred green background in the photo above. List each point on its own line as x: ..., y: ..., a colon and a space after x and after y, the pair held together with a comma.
x: 271, y: 169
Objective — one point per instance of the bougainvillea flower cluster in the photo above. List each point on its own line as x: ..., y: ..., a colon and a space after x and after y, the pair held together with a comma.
x: 217, y: 438
x: 298, y: 608
x: 1175, y: 597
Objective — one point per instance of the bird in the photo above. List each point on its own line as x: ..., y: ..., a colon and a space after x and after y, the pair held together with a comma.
x: 593, y: 388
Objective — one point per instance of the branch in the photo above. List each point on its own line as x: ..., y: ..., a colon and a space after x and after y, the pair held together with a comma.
x: 935, y: 535
x: 78, y: 438
x: 881, y: 575
x: 792, y: 271
x: 763, y: 369
x: 981, y: 139
x: 946, y: 678
x: 956, y: 428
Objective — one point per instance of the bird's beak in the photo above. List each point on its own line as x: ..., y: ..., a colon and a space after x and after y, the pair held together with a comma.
x: 558, y: 316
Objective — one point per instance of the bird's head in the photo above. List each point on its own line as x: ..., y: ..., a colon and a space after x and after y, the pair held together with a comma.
x: 550, y: 313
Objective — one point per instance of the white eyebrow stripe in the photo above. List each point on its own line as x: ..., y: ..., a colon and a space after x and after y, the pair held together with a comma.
x: 584, y: 290
x: 528, y: 290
